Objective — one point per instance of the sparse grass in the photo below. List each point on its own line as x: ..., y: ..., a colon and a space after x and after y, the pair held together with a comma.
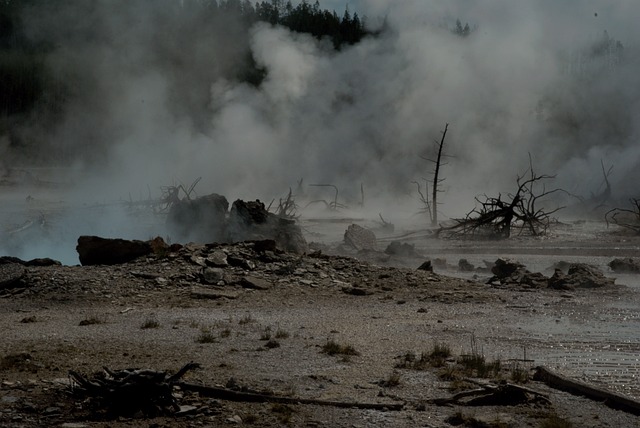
x: 92, y: 320
x: 436, y: 358
x: 519, y: 374
x: 555, y: 421
x: 247, y: 319
x: 285, y: 413
x: 20, y: 361
x: 206, y: 336
x: 281, y: 334
x: 250, y: 419
x: 392, y: 381
x: 440, y: 350
x: 450, y: 373
x: 266, y: 334
x: 476, y: 365
x: 272, y: 344
x: 334, y: 348
x: 151, y: 322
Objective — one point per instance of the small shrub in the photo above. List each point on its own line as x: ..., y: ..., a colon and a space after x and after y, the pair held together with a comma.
x: 476, y: 365
x: 392, y: 381
x: 285, y: 413
x: 205, y: 336
x: 272, y: 344
x: 150, y: 322
x: 519, y: 374
x: 440, y: 350
x: 247, y: 319
x: 555, y: 421
x: 334, y: 348
x: 281, y: 334
x: 266, y: 334
x: 225, y: 333
x: 91, y: 321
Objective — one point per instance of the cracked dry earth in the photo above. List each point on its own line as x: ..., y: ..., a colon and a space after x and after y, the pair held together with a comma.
x: 262, y: 327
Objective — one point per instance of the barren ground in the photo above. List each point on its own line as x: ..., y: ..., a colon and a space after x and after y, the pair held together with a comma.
x: 155, y: 312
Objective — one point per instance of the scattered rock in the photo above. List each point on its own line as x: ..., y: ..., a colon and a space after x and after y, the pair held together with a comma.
x: 94, y: 250
x: 426, y: 266
x: 628, y: 265
x: 401, y: 249
x: 11, y: 275
x: 212, y: 275
x: 465, y: 266
x: 202, y: 219
x: 360, y: 238
x: 255, y: 283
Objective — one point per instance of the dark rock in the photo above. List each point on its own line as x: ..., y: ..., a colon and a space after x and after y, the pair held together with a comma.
x: 202, y: 219
x: 426, y: 266
x: 255, y: 283
x: 559, y: 281
x: 579, y: 276
x: 250, y: 221
x: 94, y: 250
x: 625, y: 265
x: 360, y: 238
x: 465, y: 266
x: 11, y: 275
x: 218, y: 258
x: 46, y: 261
x: 212, y: 275
x: 504, y: 268
x: 401, y: 249
x: 356, y: 291
x: 33, y: 262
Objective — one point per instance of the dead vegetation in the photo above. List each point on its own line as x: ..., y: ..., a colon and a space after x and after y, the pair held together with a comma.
x: 628, y: 218
x: 499, y: 217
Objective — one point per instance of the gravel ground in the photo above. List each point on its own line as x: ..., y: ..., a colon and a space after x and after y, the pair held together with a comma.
x: 264, y: 325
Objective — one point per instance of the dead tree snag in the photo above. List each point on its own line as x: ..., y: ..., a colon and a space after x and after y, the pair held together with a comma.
x: 431, y: 206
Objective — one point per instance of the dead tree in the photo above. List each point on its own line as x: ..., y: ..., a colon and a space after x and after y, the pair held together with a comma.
x: 495, y: 217
x: 624, y: 217
x: 431, y: 206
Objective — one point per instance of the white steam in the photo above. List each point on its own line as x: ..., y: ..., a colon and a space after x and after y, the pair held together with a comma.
x: 366, y: 115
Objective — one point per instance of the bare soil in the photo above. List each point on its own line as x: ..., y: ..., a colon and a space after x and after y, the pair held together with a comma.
x: 263, y: 327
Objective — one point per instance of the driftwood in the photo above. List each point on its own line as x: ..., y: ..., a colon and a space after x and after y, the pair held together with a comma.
x: 611, y: 399
x: 505, y: 394
x: 129, y: 391
x: 251, y: 397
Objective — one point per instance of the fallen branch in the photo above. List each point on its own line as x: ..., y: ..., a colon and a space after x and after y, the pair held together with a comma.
x: 611, y: 399
x: 250, y: 397
x: 506, y: 394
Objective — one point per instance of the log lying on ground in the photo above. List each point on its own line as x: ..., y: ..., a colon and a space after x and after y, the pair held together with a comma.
x: 611, y: 399
x: 250, y: 397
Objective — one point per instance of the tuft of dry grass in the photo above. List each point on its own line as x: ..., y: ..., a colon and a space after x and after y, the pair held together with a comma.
x: 334, y: 348
x: 92, y: 320
x: 151, y: 322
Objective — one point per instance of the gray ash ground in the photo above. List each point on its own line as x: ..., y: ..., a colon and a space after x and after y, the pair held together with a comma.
x: 65, y: 318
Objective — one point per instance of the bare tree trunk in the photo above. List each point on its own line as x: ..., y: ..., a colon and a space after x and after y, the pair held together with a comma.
x: 434, y: 199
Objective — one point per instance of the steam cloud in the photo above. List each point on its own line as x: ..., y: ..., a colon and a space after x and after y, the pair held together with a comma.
x: 152, y: 105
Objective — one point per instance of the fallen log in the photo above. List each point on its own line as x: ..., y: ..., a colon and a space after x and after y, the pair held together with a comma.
x: 611, y: 399
x: 250, y: 397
